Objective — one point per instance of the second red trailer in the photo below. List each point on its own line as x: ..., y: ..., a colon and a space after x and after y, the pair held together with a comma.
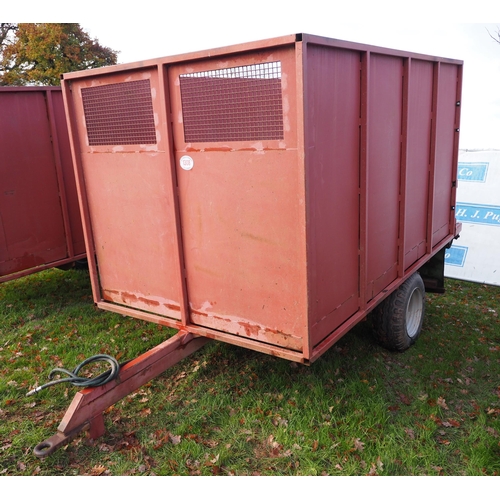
x: 40, y: 223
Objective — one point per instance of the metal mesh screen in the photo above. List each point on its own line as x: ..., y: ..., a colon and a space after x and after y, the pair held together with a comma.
x: 233, y: 104
x: 119, y: 114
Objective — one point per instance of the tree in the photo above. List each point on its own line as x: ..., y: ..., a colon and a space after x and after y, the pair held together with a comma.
x: 38, y: 53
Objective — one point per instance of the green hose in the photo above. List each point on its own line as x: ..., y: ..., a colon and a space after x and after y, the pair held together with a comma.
x: 75, y: 380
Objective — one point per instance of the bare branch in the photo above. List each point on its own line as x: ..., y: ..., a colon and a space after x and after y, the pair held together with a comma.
x: 5, y: 30
x: 497, y: 38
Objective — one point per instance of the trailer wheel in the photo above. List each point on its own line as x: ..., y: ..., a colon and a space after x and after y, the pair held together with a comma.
x: 398, y: 319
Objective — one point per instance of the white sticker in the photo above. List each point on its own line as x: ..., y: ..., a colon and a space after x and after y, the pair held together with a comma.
x: 186, y: 162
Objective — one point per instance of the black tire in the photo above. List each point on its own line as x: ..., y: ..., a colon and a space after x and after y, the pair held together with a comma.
x: 397, y: 321
x: 82, y: 265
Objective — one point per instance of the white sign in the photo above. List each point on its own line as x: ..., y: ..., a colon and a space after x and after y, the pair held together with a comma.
x: 475, y: 256
x: 186, y: 162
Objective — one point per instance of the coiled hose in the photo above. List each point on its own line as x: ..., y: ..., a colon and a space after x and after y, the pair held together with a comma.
x: 75, y: 380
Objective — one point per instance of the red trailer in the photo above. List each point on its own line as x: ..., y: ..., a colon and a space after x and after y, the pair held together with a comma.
x: 40, y: 223
x: 268, y: 194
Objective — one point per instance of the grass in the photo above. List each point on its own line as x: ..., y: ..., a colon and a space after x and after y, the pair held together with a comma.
x: 359, y: 410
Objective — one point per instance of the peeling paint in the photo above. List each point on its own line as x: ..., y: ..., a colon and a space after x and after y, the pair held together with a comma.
x: 284, y: 80
x: 244, y: 328
x: 157, y: 305
x: 206, y: 305
x: 220, y: 148
x: 286, y: 111
x: 173, y: 307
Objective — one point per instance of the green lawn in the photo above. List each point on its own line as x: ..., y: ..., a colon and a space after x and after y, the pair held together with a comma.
x: 359, y: 410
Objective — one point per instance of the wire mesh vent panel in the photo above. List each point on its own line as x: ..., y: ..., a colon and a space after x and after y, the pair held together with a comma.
x: 119, y: 114
x: 233, y: 104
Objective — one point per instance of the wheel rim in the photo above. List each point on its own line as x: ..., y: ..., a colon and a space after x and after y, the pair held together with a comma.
x: 414, y: 312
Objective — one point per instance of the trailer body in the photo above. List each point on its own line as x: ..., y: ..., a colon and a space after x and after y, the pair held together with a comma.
x: 268, y: 194
x: 40, y: 223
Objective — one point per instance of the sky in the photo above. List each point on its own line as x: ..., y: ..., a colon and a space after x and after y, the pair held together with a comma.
x: 456, y: 29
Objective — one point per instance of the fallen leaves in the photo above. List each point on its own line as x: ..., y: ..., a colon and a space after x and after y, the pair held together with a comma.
x: 435, y: 419
x: 145, y: 412
x: 492, y: 431
x: 442, y: 403
x: 162, y: 437
x: 410, y: 433
x: 278, y: 421
x: 450, y: 423
x: 359, y: 445
x: 99, y: 470
x: 443, y: 441
x: 376, y: 467
x: 274, y: 445
x: 405, y: 399
x: 6, y: 446
x: 337, y: 433
x: 438, y: 469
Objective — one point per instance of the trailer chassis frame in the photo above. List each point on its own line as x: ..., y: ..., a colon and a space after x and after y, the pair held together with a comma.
x: 85, y: 412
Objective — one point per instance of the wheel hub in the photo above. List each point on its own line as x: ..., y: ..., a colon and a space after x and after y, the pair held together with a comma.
x: 414, y: 312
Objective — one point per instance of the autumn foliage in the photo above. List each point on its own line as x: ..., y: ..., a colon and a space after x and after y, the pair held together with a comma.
x: 38, y: 53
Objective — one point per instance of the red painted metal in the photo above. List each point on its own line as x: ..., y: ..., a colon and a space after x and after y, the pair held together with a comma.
x: 278, y: 189
x: 87, y: 407
x: 40, y: 224
x: 268, y: 194
x: 416, y: 155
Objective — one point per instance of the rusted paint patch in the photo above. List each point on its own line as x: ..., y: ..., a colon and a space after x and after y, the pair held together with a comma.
x: 108, y: 294
x: 253, y: 330
x: 156, y: 305
x: 128, y: 297
x: 222, y: 149
x: 148, y: 302
x: 211, y: 316
x: 172, y: 307
x: 249, y: 330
